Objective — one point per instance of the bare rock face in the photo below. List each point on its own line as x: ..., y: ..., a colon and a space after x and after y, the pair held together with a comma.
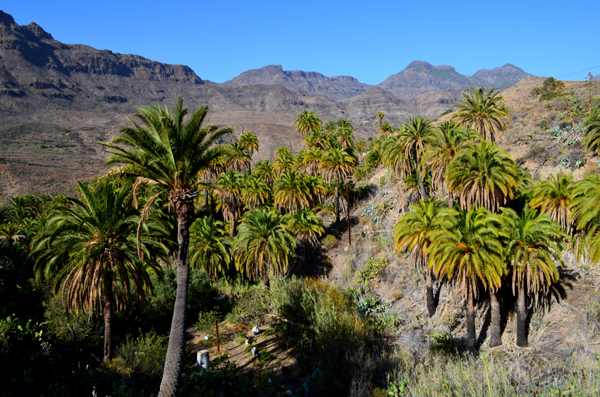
x: 336, y: 87
x: 420, y: 77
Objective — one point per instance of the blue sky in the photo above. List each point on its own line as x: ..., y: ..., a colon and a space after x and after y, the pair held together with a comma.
x: 366, y: 40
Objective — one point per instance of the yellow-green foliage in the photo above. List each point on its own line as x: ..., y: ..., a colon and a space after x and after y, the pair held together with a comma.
x: 329, y: 241
x: 364, y: 277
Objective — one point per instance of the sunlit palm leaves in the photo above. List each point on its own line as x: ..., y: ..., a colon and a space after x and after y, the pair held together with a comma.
x: 210, y: 246
x: 291, y: 191
x: 483, y: 113
x: 263, y: 245
x: 255, y: 191
x: 229, y: 186
x: 307, y: 121
x: 553, y: 197
x: 484, y: 175
x: 250, y: 141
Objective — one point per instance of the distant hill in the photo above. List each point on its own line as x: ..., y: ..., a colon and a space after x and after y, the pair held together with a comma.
x: 419, y: 77
x: 336, y: 87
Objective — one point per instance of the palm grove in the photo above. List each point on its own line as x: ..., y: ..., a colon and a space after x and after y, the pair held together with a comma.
x: 175, y: 199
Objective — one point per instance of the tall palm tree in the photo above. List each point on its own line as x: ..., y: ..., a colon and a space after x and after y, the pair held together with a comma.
x: 229, y: 189
x: 291, y: 191
x: 171, y: 153
x: 484, y: 175
x: 592, y: 131
x: 414, y: 136
x: 554, y: 198
x: 483, y: 113
x: 467, y: 250
x: 255, y: 191
x: 412, y: 233
x: 448, y: 141
x: 533, y: 248
x: 316, y: 188
x: 210, y: 245
x: 345, y: 136
x: 263, y: 245
x: 337, y: 164
x: 312, y: 159
x: 307, y: 121
x: 90, y: 250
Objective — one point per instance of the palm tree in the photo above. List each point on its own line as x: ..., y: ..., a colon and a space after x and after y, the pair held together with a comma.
x: 412, y: 233
x: 379, y: 116
x: 306, y: 227
x: 250, y: 141
x: 415, y: 135
x: 533, y: 248
x: 585, y: 214
x: 554, y: 198
x: 384, y: 129
x: 312, y: 159
x: 307, y: 121
x: 448, y: 141
x: 485, y: 114
x: 90, y: 250
x: 255, y: 191
x: 228, y: 187
x: 392, y: 154
x: 592, y: 134
x: 484, y: 175
x: 263, y: 246
x: 172, y: 154
x: 210, y: 245
x: 291, y: 191
x: 316, y: 188
x: 345, y: 136
x: 238, y: 157
x: 265, y: 171
x: 467, y: 250
x: 338, y: 164
x: 283, y: 160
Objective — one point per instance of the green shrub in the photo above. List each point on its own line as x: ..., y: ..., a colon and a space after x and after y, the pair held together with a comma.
x: 322, y: 323
x: 142, y: 357
x: 329, y: 241
x: 396, y: 295
x: 206, y: 321
x: 365, y: 276
x: 74, y: 329
x: 251, y: 307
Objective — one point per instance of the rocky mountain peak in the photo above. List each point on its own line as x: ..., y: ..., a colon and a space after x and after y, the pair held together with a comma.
x: 38, y: 31
x: 419, y: 64
x: 6, y: 19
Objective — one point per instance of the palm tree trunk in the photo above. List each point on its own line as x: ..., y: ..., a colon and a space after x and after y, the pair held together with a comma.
x: 421, y: 186
x: 183, y: 205
x: 431, y: 306
x: 107, y: 320
x: 496, y: 336
x: 522, y: 317
x: 337, y: 199
x: 470, y: 316
x: 450, y: 200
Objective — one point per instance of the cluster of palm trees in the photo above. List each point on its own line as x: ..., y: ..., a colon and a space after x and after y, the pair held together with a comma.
x: 175, y: 196
x: 481, y: 224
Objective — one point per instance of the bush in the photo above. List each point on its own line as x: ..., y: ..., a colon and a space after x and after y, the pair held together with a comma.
x: 321, y: 322
x: 206, y: 321
x: 329, y: 241
x: 75, y: 329
x: 251, y: 307
x: 396, y: 295
x: 364, y: 277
